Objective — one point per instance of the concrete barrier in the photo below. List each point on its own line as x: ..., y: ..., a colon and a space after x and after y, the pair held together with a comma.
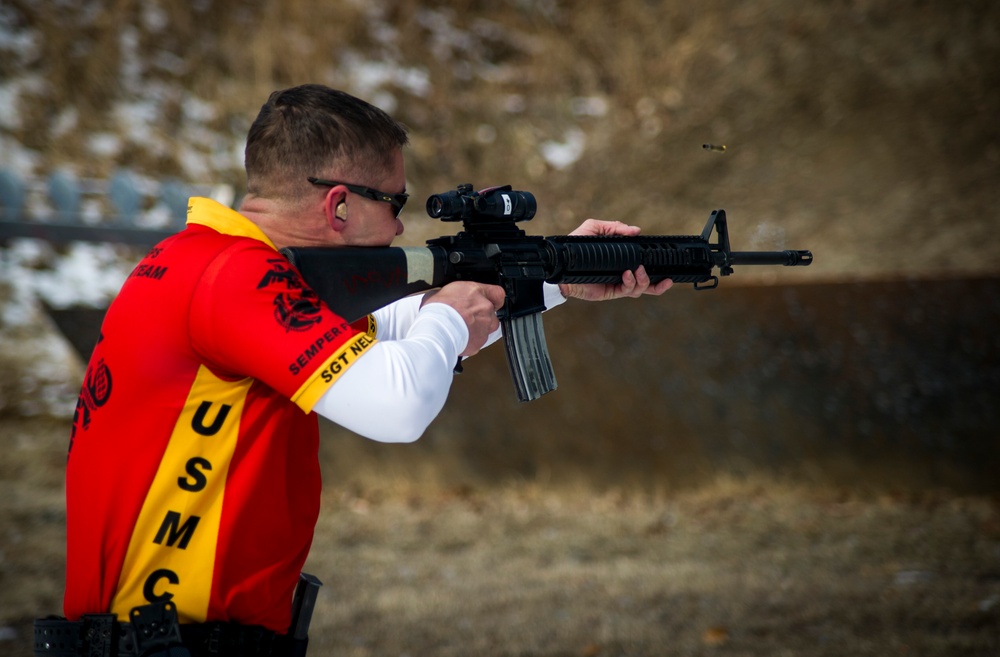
x: 884, y: 383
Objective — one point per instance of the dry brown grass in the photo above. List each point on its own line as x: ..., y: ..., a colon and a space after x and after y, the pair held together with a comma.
x: 736, y: 567
x: 732, y: 567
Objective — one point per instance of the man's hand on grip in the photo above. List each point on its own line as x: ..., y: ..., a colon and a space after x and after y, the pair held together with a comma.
x: 477, y: 303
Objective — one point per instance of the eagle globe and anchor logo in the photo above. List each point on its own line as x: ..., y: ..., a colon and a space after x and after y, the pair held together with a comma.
x: 297, y: 309
x: 95, y: 393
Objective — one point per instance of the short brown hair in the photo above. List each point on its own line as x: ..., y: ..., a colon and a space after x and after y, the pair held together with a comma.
x: 312, y: 129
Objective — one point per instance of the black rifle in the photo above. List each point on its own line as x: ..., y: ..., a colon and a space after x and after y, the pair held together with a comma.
x: 491, y: 249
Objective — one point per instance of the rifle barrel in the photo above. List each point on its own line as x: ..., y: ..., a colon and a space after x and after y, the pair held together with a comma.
x: 787, y: 258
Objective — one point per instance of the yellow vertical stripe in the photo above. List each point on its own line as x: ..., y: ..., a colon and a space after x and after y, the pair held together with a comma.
x: 172, y: 550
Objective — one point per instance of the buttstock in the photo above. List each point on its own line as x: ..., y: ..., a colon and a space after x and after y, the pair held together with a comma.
x: 355, y: 281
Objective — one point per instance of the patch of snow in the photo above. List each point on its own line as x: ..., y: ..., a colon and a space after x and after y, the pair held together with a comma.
x: 562, y: 154
x: 595, y: 106
x: 15, y: 158
x: 104, y: 144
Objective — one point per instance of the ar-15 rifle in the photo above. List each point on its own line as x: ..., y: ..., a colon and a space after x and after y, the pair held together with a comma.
x: 492, y: 249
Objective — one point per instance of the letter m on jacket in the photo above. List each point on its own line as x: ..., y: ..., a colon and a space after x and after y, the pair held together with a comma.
x: 174, y: 532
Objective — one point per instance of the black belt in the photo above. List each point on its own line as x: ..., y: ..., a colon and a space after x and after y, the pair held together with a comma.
x: 101, y: 635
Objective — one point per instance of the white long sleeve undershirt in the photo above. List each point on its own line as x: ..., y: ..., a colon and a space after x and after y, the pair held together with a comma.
x: 399, y: 386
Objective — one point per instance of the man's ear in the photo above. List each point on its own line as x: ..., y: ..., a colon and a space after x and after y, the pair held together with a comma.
x: 335, y: 208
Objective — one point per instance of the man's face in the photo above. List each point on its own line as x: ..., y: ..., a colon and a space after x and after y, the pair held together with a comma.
x: 374, y: 223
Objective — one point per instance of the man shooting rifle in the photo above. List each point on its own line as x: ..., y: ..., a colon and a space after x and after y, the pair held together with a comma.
x: 193, y: 479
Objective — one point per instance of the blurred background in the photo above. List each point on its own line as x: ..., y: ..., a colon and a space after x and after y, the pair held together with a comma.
x: 867, y: 131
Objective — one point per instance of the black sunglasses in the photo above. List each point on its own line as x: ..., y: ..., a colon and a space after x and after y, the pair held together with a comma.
x: 397, y: 201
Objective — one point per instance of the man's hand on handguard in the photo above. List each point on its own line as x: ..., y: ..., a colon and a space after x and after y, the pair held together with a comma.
x: 634, y: 284
x: 477, y: 303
